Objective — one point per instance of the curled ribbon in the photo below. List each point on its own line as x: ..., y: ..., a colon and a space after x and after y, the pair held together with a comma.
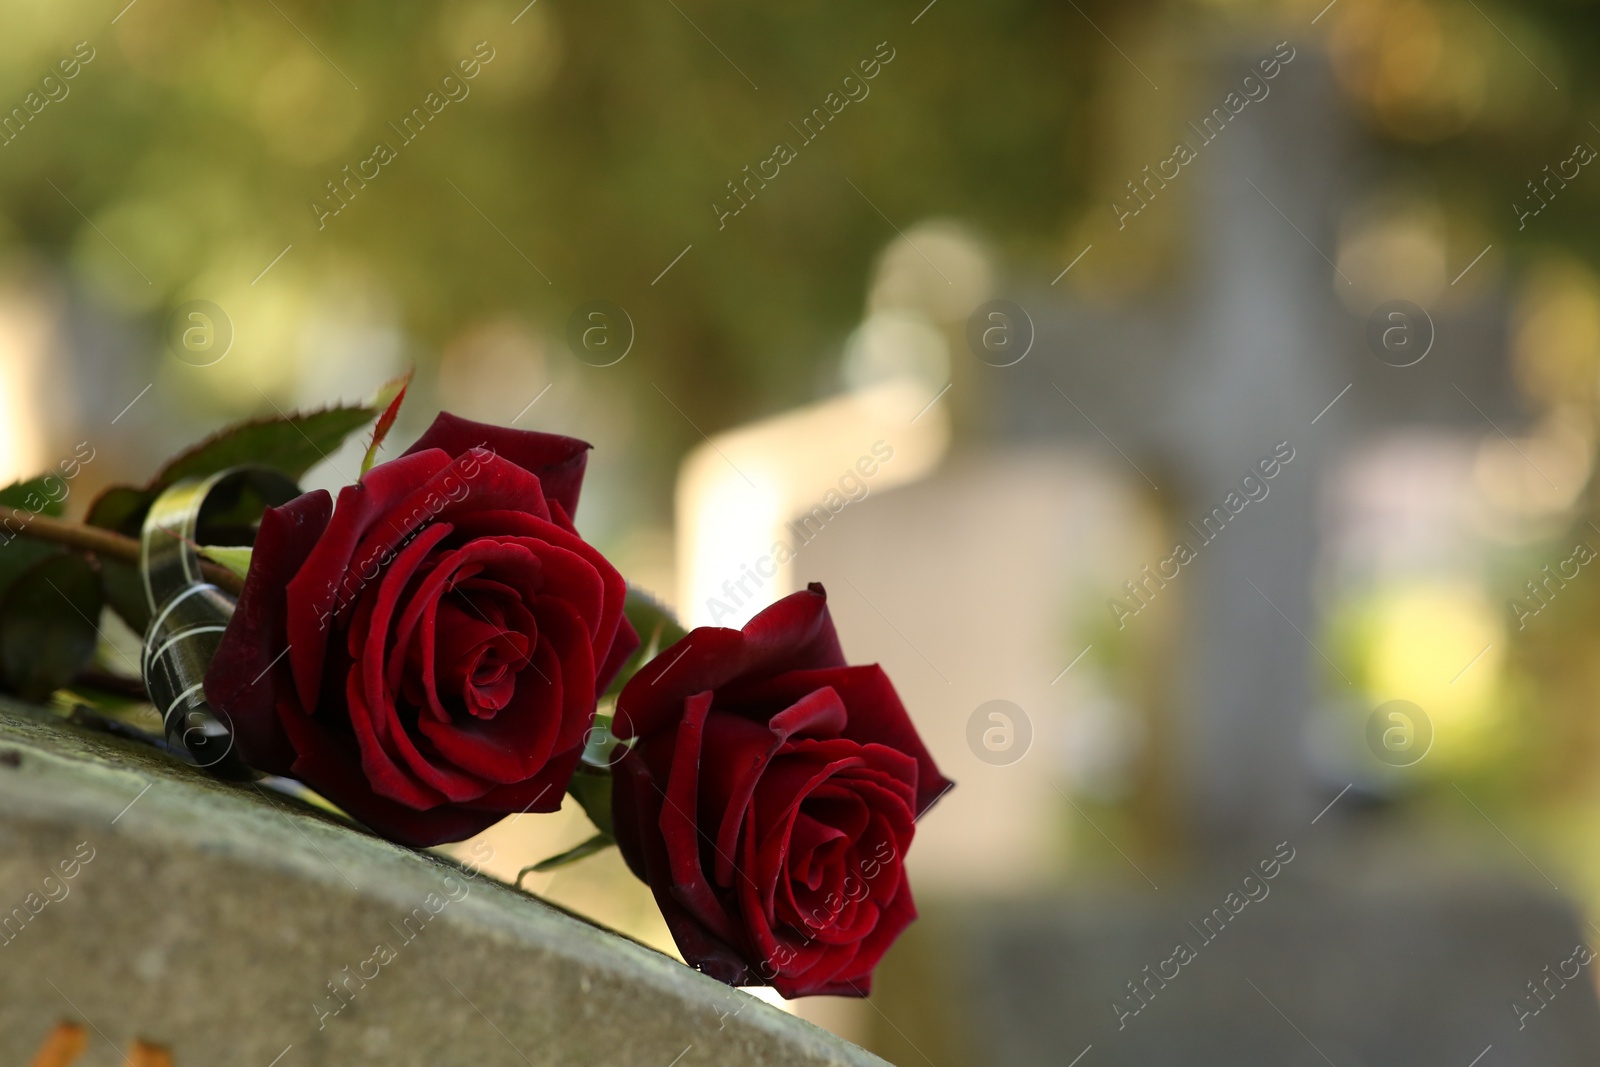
x: 188, y: 613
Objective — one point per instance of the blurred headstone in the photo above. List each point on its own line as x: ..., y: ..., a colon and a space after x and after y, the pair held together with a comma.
x: 1354, y: 956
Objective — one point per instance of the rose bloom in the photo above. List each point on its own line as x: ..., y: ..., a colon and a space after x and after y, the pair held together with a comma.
x: 769, y: 798
x: 427, y: 654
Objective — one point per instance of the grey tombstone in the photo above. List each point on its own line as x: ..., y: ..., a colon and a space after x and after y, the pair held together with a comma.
x: 144, y: 901
x: 1391, y: 964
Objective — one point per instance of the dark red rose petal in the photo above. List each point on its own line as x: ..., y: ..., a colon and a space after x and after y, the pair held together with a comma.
x: 680, y: 830
x: 796, y: 633
x: 637, y: 803
x: 877, y: 715
x: 513, y: 745
x: 558, y: 461
x: 247, y: 672
x: 323, y: 582
x: 612, y: 637
x: 737, y: 752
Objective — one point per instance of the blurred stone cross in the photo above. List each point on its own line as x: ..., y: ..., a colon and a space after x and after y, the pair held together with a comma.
x: 1196, y: 395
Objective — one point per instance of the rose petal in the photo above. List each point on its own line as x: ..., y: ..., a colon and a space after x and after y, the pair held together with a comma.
x: 683, y: 837
x: 322, y: 583
x: 876, y: 715
x: 793, y: 634
x: 515, y: 744
x: 610, y: 630
x: 386, y: 775
x: 558, y: 461
x: 467, y: 484
x: 378, y: 682
x: 333, y: 770
x: 247, y: 674
x: 637, y: 805
x: 419, y: 622
x: 855, y: 979
x: 737, y: 752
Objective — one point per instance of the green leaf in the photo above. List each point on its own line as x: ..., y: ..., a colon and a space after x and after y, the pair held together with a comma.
x: 38, y: 495
x: 47, y: 625
x: 597, y: 843
x: 120, y: 508
x: 600, y: 745
x: 292, y: 444
x: 236, y: 560
x: 591, y: 788
x: 16, y: 556
x: 124, y: 591
x: 657, y: 628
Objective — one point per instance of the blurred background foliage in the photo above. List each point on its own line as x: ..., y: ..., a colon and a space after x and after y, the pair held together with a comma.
x: 595, y: 142
x: 592, y: 145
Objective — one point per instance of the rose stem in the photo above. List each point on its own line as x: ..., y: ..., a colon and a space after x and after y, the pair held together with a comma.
x: 106, y: 543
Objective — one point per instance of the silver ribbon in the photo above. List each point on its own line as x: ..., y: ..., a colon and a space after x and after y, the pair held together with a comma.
x: 188, y: 613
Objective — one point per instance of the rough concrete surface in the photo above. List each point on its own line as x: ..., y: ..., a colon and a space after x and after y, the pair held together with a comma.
x: 210, y: 919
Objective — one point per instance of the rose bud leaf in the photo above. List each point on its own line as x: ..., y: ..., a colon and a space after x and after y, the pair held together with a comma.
x: 600, y: 744
x: 47, y: 629
x: 389, y: 397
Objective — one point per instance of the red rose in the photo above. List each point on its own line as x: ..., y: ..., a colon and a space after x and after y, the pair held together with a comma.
x: 769, y: 800
x: 427, y: 654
